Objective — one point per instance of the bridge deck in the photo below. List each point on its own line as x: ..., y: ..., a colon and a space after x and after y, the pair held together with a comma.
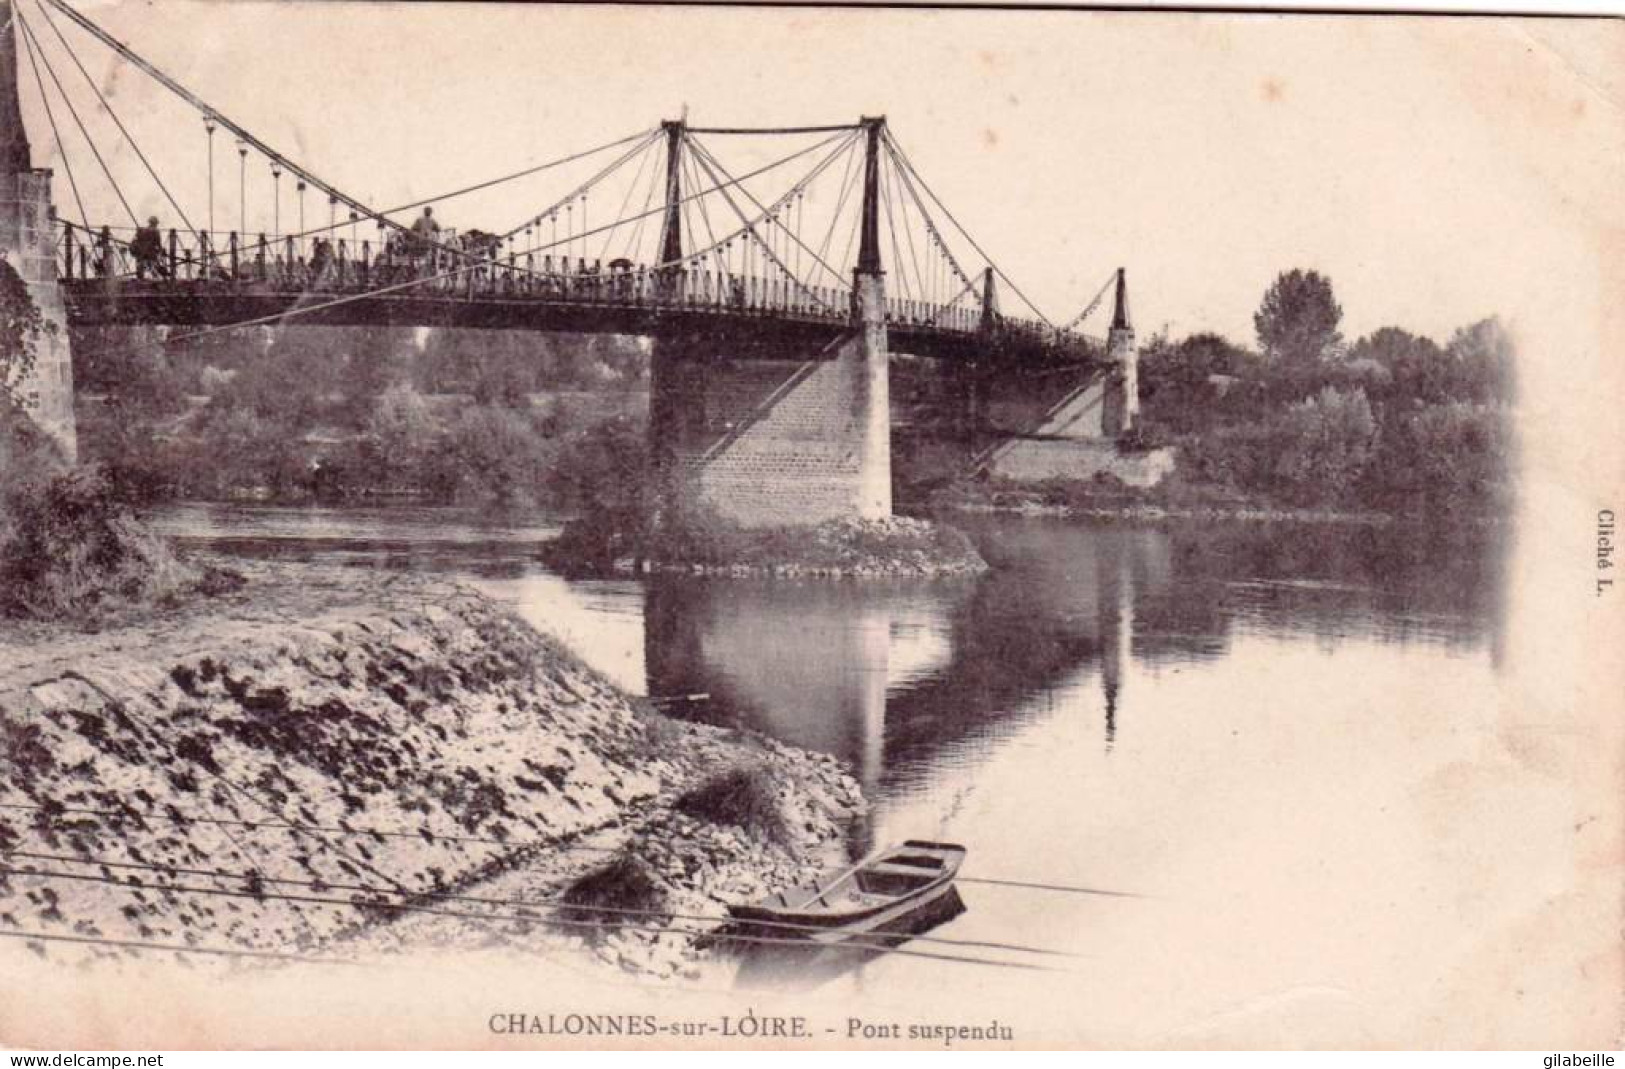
x: 258, y: 283
x: 103, y: 302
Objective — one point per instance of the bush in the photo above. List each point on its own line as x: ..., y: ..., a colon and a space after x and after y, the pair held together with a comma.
x: 490, y: 455
x: 742, y: 797
x: 1322, y: 447
x: 1454, y: 456
x: 68, y: 551
x: 601, y: 896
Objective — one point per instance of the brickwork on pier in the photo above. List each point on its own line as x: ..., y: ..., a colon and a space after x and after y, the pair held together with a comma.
x: 771, y: 442
x: 26, y: 243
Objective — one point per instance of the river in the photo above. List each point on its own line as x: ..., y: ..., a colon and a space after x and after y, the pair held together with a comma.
x: 1254, y: 727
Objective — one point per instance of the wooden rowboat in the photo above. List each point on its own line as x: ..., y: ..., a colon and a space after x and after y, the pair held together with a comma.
x: 882, y: 893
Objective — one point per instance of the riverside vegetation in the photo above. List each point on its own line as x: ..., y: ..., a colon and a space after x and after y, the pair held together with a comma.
x: 1307, y: 425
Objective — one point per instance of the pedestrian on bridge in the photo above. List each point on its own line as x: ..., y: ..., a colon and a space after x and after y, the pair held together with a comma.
x: 426, y: 230
x: 148, y: 250
x: 321, y: 258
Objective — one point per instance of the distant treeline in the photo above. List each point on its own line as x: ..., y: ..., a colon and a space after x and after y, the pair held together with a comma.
x: 489, y: 417
x: 1394, y: 422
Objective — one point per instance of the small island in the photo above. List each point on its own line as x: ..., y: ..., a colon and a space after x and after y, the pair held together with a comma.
x: 702, y: 543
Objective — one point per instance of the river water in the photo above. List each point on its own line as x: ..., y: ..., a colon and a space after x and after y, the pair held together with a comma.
x: 1254, y: 727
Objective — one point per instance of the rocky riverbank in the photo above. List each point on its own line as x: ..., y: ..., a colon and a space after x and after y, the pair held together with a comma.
x: 332, y: 762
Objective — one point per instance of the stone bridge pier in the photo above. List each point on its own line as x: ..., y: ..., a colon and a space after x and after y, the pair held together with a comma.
x: 26, y: 243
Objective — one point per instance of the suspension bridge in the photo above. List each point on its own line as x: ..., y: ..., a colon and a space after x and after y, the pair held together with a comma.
x: 776, y: 278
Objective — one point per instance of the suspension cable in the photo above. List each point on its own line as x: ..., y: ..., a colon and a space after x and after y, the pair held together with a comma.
x: 320, y: 886
x: 56, y: 809
x: 521, y: 918
x: 28, y: 30
x: 569, y: 198
x: 626, y: 201
x: 472, y: 264
x: 705, y: 213
x: 207, y: 110
x: 710, y: 160
x: 439, y: 198
x: 142, y: 156
x: 634, y: 241
x: 335, y: 195
x: 932, y: 231
x: 56, y: 134
x: 908, y: 230
x: 750, y: 225
x: 728, y: 130
x: 1089, y: 308
x: 840, y: 203
x: 722, y: 187
x: 178, y: 948
x: 897, y: 153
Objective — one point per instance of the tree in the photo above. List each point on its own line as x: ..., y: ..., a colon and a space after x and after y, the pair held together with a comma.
x: 1323, y: 446
x: 1297, y: 321
x: 21, y: 328
x: 1184, y: 385
x: 400, y: 437
x: 1486, y: 360
x: 1412, y: 367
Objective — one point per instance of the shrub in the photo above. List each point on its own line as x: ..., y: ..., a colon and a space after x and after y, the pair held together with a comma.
x: 490, y: 455
x: 1449, y: 456
x: 69, y: 551
x: 1322, y: 447
x: 599, y: 897
x: 743, y: 797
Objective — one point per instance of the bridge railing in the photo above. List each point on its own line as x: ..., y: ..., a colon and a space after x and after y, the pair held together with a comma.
x: 271, y: 263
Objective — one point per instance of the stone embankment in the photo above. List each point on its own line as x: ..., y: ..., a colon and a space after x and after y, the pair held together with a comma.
x: 283, y: 768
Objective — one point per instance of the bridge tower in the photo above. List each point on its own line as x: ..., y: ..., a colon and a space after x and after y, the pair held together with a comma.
x: 1122, y: 401
x: 866, y: 361
x: 779, y: 431
x: 28, y: 245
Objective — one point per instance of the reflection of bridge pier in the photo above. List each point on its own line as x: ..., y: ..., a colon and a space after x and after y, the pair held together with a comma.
x: 1115, y: 612
x: 883, y: 677
x: 809, y: 669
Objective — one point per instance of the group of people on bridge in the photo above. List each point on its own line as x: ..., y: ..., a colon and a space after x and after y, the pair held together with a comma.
x: 414, y: 246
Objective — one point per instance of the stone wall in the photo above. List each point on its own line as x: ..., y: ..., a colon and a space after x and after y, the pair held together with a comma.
x: 26, y: 242
x: 1043, y: 459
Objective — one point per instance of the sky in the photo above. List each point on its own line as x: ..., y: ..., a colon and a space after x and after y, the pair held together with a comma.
x: 1437, y: 170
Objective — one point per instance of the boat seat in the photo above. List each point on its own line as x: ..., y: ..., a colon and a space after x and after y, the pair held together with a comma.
x: 888, y: 869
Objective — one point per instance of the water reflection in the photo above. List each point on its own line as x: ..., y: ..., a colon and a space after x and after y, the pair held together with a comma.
x: 906, y: 681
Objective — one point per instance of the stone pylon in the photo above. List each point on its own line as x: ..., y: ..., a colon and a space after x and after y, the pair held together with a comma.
x: 27, y: 243
x: 869, y: 367
x: 1122, y: 400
